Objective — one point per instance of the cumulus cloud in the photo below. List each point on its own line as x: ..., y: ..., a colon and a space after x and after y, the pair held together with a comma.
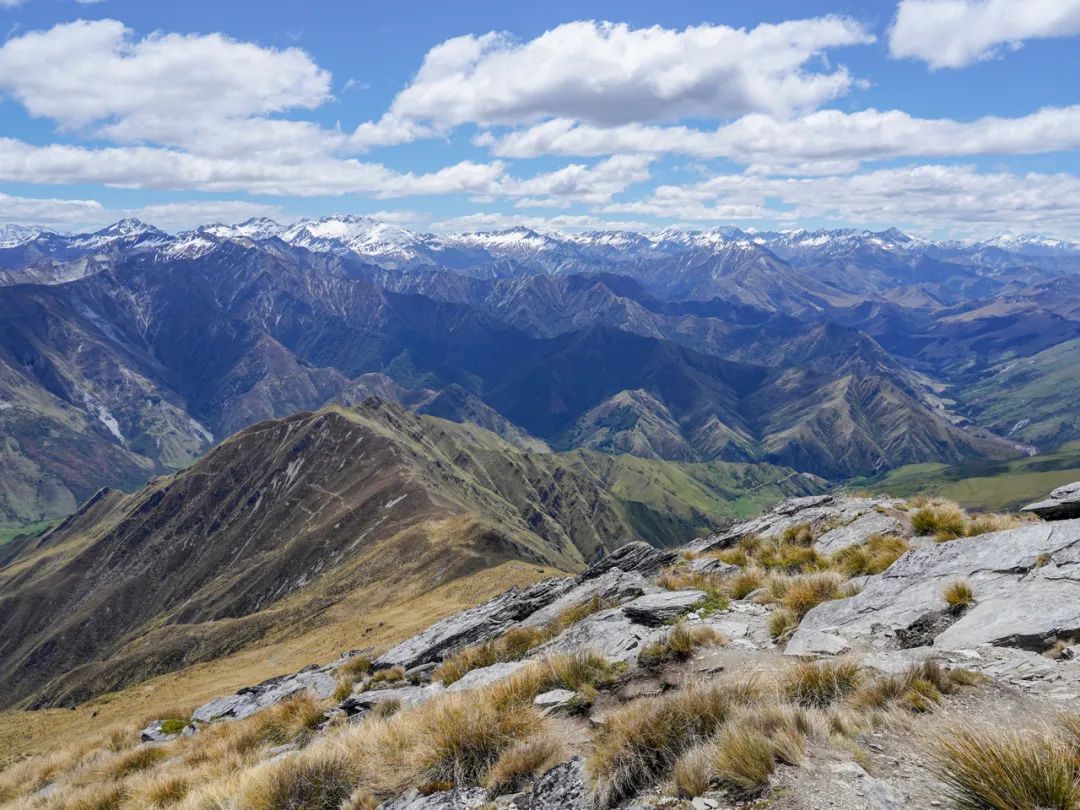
x: 92, y: 71
x: 956, y: 33
x: 579, y: 183
x: 927, y: 196
x: 824, y: 135
x: 561, y: 222
x: 610, y: 73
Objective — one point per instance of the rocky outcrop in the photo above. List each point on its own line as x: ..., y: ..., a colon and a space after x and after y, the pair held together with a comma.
x: 251, y: 699
x: 561, y: 788
x: 406, y: 696
x: 858, y: 531
x: 610, y: 633
x: 822, y: 513
x: 613, y: 586
x: 1026, y: 584
x: 656, y: 609
x: 457, y: 799
x: 475, y: 625
x: 637, y: 556
x: 1062, y: 503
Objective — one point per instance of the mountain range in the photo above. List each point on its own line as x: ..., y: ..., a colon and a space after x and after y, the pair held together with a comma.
x: 129, y: 352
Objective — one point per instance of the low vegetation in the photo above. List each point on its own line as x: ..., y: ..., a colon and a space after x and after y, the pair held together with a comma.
x: 946, y: 521
x: 817, y: 684
x: 679, y: 644
x: 958, y: 595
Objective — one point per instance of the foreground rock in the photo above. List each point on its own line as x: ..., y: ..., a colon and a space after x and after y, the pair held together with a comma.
x: 318, y: 681
x: 610, y: 633
x: 662, y: 608
x: 1026, y: 585
x: 1063, y: 503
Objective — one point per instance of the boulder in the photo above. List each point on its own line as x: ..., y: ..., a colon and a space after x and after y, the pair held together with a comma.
x: 485, y: 676
x: 1063, y: 503
x: 251, y: 699
x: 608, y: 633
x: 614, y: 585
x: 554, y: 700
x: 153, y: 733
x: 457, y: 799
x: 661, y: 608
x: 820, y: 512
x: 711, y: 565
x: 858, y: 531
x: 1026, y: 583
x: 561, y: 788
x: 472, y: 626
x: 637, y: 556
x: 406, y: 696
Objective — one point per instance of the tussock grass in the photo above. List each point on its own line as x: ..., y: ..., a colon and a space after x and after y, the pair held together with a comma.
x: 382, y: 678
x: 746, y: 582
x: 919, y: 688
x: 958, y: 595
x: 991, y: 767
x: 356, y: 667
x: 782, y: 624
x: 317, y: 780
x: 292, y: 720
x: 640, y: 742
x: 576, y: 671
x: 679, y: 645
x: 522, y: 762
x: 873, y: 556
x: 742, y: 758
x: 946, y: 520
x: 137, y: 759
x: 574, y: 614
x: 715, y: 587
x: 819, y: 684
x: 803, y: 592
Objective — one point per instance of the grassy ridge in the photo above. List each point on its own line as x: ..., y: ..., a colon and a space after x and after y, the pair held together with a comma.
x: 991, y: 486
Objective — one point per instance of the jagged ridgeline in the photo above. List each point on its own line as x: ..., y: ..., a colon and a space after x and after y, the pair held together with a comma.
x: 290, y: 519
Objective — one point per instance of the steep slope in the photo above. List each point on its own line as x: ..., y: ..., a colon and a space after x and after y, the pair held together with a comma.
x: 288, y: 517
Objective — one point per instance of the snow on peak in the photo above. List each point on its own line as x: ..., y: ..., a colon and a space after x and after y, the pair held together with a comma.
x: 15, y: 235
x: 255, y: 228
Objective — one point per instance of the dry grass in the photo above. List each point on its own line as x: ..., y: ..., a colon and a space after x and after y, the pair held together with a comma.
x: 782, y: 624
x: 919, y: 688
x: 316, y: 780
x: 746, y: 582
x: 355, y: 668
x: 640, y: 743
x: 803, y: 592
x: 991, y: 767
x: 873, y: 556
x: 742, y: 758
x: 522, y: 762
x: 679, y: 645
x: 819, y: 684
x: 382, y: 678
x: 946, y: 520
x: 958, y: 595
x: 715, y: 587
x: 576, y: 671
x: 292, y: 720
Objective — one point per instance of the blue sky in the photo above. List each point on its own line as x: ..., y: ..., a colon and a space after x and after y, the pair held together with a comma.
x: 948, y: 118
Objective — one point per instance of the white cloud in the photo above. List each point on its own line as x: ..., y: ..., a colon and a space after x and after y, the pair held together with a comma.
x: 48, y: 212
x: 84, y: 72
x: 10, y: 3
x: 609, y: 73
x: 579, y: 183
x: 798, y: 143
x: 956, y: 33
x: 932, y: 197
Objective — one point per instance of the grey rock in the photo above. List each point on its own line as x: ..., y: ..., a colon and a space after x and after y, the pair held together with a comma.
x: 1063, y: 503
x: 880, y: 795
x: 1027, y: 592
x: 485, y: 676
x: 608, y: 633
x: 816, y: 642
x: 475, y: 625
x: 250, y: 699
x: 561, y: 788
x: 818, y: 511
x: 406, y: 696
x: 555, y: 699
x: 153, y: 733
x: 711, y: 565
x: 614, y: 585
x: 858, y: 531
x: 637, y: 556
x: 458, y: 799
x: 655, y: 609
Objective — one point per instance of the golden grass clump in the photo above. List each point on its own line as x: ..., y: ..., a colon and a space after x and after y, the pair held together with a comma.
x: 817, y: 684
x: 679, y: 644
x: 958, y: 595
x: 382, y: 678
x: 803, y: 592
x: 782, y: 624
x: 742, y: 757
x: 746, y: 582
x: 1002, y: 769
x: 292, y: 720
x: 522, y: 762
x: 322, y: 778
x: 640, y: 742
x: 355, y: 668
x: 679, y: 578
x: 137, y: 759
x: 943, y: 519
x: 873, y: 556
x: 918, y: 689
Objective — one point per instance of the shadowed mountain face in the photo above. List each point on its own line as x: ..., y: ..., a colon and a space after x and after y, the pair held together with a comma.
x: 282, y: 520
x: 129, y: 352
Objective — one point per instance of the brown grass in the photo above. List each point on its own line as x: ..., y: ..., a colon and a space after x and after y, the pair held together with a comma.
x: 873, y: 556
x: 679, y: 644
x: 522, y: 762
x: 958, y: 595
x: 1000, y: 768
x: 782, y: 624
x: 819, y: 684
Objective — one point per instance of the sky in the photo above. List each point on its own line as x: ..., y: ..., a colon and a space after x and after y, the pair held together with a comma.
x: 948, y: 118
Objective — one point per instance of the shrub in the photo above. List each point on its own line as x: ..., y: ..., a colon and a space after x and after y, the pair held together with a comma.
x: 522, y: 762
x: 641, y: 742
x: 992, y: 767
x: 678, y: 645
x: 820, y: 683
x: 873, y: 556
x: 958, y: 595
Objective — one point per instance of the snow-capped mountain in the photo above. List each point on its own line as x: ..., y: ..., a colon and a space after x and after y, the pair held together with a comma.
x: 255, y: 228
x: 125, y: 233
x: 15, y: 235
x: 386, y: 244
